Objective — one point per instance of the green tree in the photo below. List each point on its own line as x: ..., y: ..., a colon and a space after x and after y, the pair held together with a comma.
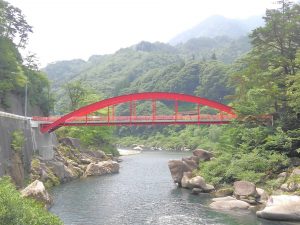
x: 13, y: 24
x: 261, y: 77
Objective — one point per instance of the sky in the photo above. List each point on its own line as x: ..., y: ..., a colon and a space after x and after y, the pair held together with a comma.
x: 69, y: 29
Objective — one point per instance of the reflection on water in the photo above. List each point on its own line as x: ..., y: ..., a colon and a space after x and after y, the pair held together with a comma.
x: 142, y: 193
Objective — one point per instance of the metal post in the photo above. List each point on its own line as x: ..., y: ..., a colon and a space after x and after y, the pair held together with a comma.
x: 153, y: 110
x: 130, y: 109
x: 198, y: 113
x: 176, y: 109
x: 108, y: 114
x: 134, y: 110
x: 113, y: 112
x: 25, y: 107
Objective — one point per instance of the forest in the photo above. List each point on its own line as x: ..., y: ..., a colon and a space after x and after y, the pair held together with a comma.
x: 256, y: 75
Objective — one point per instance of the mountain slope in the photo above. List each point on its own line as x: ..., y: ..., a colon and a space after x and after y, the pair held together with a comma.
x: 218, y: 26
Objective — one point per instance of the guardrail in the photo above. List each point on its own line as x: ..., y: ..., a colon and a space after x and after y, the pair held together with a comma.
x: 13, y: 116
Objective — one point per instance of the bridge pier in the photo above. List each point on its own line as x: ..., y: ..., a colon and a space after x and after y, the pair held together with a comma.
x: 43, y: 143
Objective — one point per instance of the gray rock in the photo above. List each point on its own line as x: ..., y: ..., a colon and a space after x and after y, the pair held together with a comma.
x: 283, y: 207
x: 197, y: 182
x: 244, y: 188
x: 101, y: 168
x: 282, y: 175
x: 229, y: 205
x: 208, y: 188
x: 263, y: 195
x: 185, y: 181
x: 37, y: 191
x: 203, y: 154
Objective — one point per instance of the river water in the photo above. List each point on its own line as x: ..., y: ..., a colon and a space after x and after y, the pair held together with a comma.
x: 142, y: 193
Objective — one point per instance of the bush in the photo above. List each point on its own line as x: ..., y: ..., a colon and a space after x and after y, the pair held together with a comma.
x: 252, y: 166
x: 15, y: 210
x: 17, y: 141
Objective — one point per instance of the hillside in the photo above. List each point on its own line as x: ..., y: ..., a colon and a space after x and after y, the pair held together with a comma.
x: 149, y: 67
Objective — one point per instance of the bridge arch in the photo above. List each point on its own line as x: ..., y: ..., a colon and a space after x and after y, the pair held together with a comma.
x: 136, y: 97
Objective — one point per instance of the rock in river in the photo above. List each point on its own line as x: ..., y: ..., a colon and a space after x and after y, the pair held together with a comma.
x: 101, y: 168
x: 282, y: 207
x: 229, y: 204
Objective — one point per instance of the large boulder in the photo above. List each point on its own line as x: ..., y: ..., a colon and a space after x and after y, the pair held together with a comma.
x: 282, y: 207
x: 37, y: 191
x: 63, y: 172
x: 244, y: 189
x: 229, y: 204
x: 203, y: 154
x: 101, y: 168
x: 177, y: 168
x: 197, y: 182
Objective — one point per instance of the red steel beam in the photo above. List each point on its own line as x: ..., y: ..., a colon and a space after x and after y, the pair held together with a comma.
x: 137, y: 96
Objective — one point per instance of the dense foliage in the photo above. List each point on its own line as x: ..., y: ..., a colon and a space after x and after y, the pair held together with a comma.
x: 16, y: 72
x: 15, y: 210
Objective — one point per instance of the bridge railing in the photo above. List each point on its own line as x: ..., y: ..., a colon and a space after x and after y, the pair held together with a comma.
x: 105, y: 119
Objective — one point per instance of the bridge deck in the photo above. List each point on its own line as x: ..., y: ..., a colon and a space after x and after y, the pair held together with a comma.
x: 138, y: 120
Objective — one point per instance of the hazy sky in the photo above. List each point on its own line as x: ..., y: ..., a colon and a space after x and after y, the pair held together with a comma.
x: 68, y: 29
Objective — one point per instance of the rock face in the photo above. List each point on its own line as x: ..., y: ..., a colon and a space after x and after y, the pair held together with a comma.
x: 37, y: 191
x: 283, y: 207
x: 229, y: 204
x: 203, y: 154
x: 101, y: 168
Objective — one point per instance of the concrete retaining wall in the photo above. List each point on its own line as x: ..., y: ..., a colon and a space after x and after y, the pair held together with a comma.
x: 18, y: 166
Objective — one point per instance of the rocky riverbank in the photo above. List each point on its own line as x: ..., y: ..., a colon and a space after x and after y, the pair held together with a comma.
x: 70, y: 162
x: 281, y: 204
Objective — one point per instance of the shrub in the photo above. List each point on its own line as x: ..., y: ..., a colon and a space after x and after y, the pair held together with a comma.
x: 15, y: 210
x: 17, y: 141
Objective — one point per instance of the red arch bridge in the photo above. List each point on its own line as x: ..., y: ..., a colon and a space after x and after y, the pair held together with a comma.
x: 85, y: 116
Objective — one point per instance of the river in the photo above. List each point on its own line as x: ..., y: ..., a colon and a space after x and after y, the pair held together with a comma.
x: 142, y: 193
